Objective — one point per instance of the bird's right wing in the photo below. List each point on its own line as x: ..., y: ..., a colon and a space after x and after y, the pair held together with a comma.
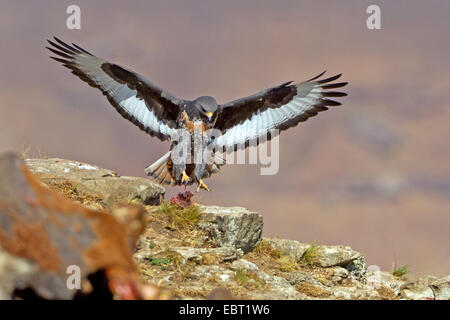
x: 146, y: 105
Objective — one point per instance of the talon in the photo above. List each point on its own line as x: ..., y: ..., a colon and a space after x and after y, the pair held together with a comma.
x: 185, y: 178
x: 202, y: 185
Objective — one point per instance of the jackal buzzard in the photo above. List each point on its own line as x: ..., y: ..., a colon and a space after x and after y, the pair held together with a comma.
x: 161, y: 114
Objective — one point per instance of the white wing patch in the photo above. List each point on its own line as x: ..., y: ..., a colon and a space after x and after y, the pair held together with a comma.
x: 262, y: 122
x: 138, y: 109
x: 121, y: 94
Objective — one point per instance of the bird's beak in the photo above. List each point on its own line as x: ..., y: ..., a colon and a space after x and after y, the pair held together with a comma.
x: 210, y: 114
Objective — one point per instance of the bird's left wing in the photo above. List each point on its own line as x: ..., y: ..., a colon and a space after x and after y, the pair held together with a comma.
x: 137, y: 99
x: 280, y: 107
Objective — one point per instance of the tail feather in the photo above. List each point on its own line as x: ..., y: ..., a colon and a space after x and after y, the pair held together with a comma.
x: 160, y: 172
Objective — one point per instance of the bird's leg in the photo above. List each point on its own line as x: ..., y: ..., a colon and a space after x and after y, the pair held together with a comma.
x: 185, y: 178
x: 202, y: 185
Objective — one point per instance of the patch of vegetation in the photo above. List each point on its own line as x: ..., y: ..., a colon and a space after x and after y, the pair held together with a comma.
x: 178, y: 217
x: 400, y: 271
x: 151, y: 245
x: 312, y: 290
x: 71, y: 191
x: 161, y: 262
x: 248, y: 280
x: 287, y: 264
x: 265, y: 248
x: 308, y: 257
x: 268, y: 256
x: 387, y: 293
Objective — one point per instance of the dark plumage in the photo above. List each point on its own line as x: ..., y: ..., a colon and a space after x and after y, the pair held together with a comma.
x: 161, y: 114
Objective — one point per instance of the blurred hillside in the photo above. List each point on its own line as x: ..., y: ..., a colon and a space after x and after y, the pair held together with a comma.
x: 373, y: 174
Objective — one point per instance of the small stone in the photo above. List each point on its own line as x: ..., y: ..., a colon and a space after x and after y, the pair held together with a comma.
x: 244, y: 264
x: 224, y: 277
x: 339, y: 274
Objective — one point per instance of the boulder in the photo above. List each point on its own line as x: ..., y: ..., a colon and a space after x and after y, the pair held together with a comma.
x: 106, y: 184
x: 330, y: 256
x: 287, y: 247
x: 233, y: 226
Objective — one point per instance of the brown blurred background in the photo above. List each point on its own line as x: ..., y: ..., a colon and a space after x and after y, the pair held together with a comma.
x: 373, y: 174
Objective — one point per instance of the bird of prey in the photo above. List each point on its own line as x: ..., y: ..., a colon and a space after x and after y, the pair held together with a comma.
x: 162, y: 115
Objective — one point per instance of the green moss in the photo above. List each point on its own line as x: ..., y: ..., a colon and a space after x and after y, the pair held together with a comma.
x: 161, y: 262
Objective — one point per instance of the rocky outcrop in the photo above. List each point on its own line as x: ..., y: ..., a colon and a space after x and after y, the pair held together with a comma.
x: 106, y: 184
x: 163, y: 249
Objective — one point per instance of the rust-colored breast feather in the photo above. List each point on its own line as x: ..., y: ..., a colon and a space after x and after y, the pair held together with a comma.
x: 192, y: 125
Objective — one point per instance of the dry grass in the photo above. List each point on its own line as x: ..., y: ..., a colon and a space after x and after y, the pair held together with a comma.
x: 265, y: 248
x: 312, y: 290
x: 71, y: 191
x: 180, y: 218
x: 249, y: 280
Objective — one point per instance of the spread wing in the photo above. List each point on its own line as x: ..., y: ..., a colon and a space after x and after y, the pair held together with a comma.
x: 281, y: 107
x: 137, y: 99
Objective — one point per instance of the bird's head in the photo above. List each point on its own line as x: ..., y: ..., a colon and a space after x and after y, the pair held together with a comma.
x: 208, y: 109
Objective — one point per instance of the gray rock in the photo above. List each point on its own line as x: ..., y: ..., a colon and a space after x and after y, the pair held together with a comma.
x: 329, y: 256
x: 440, y: 287
x: 222, y: 254
x: 245, y: 265
x: 91, y: 179
x: 417, y: 290
x: 357, y: 269
x: 296, y: 277
x: 235, y: 226
x: 201, y: 272
x: 339, y: 274
x: 354, y: 292
x: 291, y: 248
x: 276, y: 288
